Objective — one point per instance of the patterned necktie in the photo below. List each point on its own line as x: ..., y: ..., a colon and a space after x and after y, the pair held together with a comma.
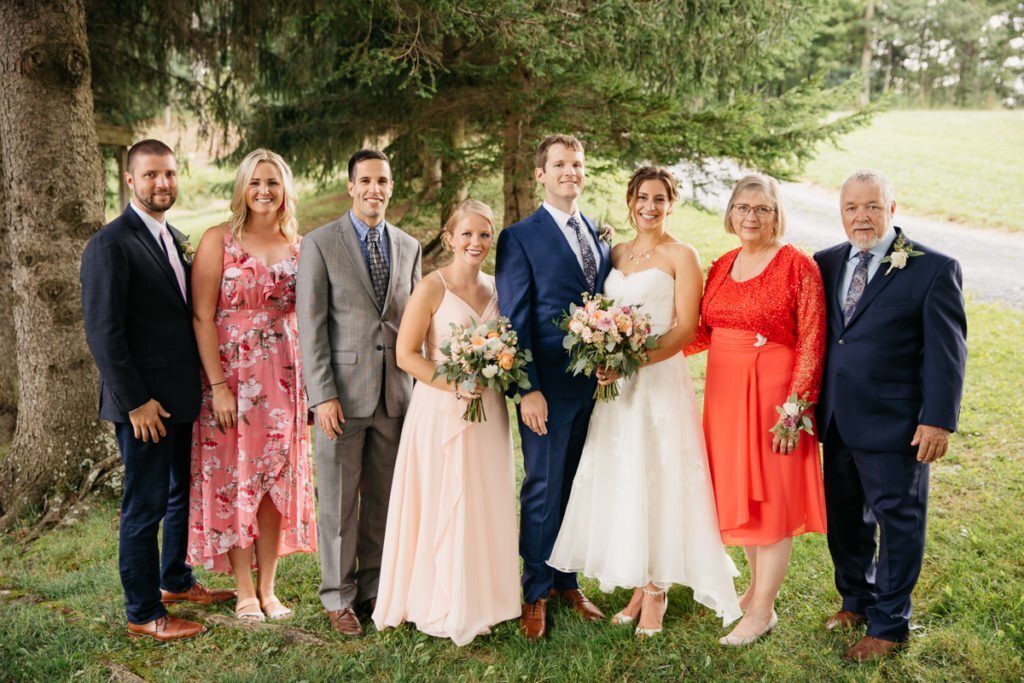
x: 589, y: 264
x: 171, y: 252
x: 857, y: 284
x: 378, y: 267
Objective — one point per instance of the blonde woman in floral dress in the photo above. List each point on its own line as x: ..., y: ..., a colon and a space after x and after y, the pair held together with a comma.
x: 252, y: 485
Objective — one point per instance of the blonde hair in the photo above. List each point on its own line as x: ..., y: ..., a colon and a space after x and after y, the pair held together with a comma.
x: 466, y: 208
x: 767, y: 186
x: 240, y: 210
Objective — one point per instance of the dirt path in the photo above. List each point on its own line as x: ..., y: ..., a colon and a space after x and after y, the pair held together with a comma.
x: 992, y: 261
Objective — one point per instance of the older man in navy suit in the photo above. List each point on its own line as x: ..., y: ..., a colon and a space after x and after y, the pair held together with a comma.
x: 890, y: 397
x: 138, y: 322
x: 544, y: 263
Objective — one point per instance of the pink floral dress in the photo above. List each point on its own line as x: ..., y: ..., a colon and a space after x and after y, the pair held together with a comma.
x: 268, y: 452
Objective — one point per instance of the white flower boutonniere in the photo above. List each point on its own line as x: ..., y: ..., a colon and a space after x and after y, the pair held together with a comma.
x: 761, y: 340
x: 187, y: 251
x: 606, y: 232
x: 901, y: 254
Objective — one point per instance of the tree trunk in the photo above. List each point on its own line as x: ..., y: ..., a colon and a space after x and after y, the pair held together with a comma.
x: 8, y: 366
x: 453, y: 180
x: 518, y: 147
x: 866, y: 54
x: 52, y: 179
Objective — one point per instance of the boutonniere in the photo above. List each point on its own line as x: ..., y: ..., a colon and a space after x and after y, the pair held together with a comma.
x: 902, y: 252
x: 606, y: 232
x: 187, y: 251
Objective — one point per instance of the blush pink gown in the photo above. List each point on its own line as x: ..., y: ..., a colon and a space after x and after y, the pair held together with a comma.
x: 267, y: 454
x: 450, y: 562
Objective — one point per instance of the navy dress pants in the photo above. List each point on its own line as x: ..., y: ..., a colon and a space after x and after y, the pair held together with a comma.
x: 156, y: 487
x: 876, y: 504
x: 550, y: 463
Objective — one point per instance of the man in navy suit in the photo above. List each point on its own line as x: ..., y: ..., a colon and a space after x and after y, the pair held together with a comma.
x: 544, y: 263
x: 138, y: 322
x: 890, y: 397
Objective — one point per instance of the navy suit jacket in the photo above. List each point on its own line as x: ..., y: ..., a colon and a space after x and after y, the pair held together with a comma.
x: 138, y: 327
x: 538, y: 276
x: 900, y: 361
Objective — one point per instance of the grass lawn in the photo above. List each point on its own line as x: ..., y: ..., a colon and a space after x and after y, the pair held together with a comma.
x: 963, y: 166
x: 61, y: 612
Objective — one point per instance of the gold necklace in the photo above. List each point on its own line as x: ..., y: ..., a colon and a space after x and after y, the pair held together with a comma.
x: 644, y: 255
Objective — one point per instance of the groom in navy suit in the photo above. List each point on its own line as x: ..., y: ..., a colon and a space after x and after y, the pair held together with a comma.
x: 890, y: 397
x: 544, y: 263
x: 136, y: 302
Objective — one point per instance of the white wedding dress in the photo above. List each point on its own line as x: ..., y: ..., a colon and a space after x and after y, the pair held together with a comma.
x: 641, y: 507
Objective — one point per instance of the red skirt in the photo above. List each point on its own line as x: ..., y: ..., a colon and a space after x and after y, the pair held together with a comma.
x: 762, y: 497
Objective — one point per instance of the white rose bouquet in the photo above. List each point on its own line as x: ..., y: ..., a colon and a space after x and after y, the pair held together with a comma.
x: 484, y: 356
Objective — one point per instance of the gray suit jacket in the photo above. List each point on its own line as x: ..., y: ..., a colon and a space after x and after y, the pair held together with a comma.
x: 348, y: 345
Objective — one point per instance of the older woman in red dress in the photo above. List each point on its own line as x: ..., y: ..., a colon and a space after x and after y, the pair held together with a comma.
x: 763, y: 320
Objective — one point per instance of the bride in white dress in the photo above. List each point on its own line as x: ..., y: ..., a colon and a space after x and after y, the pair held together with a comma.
x: 641, y: 513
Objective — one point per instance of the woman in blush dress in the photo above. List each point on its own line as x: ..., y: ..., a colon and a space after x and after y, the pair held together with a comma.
x: 252, y: 482
x: 763, y: 316
x: 450, y: 563
x: 641, y: 513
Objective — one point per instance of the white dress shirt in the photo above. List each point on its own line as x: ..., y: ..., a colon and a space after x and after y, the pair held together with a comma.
x: 562, y: 221
x: 153, y: 224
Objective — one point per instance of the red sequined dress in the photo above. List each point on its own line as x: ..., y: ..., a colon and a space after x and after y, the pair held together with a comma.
x: 766, y: 341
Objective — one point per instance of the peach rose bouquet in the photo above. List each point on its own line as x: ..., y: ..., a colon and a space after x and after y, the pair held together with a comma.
x: 484, y: 356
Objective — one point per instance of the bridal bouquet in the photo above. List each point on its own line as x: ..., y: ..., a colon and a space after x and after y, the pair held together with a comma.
x: 599, y: 334
x: 484, y: 356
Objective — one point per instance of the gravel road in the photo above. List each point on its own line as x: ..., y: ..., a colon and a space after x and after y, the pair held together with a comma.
x: 992, y: 260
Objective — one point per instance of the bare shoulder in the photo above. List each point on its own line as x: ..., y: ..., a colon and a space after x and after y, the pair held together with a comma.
x: 430, y: 288
x: 682, y: 255
x: 216, y: 234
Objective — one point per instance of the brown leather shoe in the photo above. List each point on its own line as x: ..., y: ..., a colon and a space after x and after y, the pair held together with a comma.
x: 844, y: 619
x: 534, y: 622
x: 579, y: 602
x: 166, y: 628
x: 345, y: 622
x: 198, y: 594
x: 868, y: 648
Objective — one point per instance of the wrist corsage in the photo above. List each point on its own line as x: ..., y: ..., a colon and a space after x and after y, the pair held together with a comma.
x: 902, y: 251
x: 792, y: 419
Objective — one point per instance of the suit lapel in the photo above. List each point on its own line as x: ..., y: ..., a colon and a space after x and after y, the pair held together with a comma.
x: 156, y: 250
x: 554, y: 236
x: 836, y: 260
x: 179, y: 238
x: 603, y: 250
x: 395, y: 254
x: 879, y: 282
x: 350, y: 247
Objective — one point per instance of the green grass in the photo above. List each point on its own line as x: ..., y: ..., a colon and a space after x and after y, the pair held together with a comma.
x: 963, y: 166
x: 969, y: 607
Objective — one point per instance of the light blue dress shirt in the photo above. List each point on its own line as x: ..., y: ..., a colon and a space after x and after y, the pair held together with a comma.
x: 361, y: 230
x: 878, y: 253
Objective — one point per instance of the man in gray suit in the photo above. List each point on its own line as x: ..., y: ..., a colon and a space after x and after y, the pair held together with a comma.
x: 355, y: 277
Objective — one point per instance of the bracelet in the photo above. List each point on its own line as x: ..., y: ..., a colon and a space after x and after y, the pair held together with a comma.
x: 220, y: 382
x: 458, y: 396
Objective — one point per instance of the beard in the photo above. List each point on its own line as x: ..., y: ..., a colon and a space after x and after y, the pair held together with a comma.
x: 865, y: 240
x: 157, y: 202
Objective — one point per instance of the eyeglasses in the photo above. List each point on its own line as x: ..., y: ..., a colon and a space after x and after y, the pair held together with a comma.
x: 759, y: 211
